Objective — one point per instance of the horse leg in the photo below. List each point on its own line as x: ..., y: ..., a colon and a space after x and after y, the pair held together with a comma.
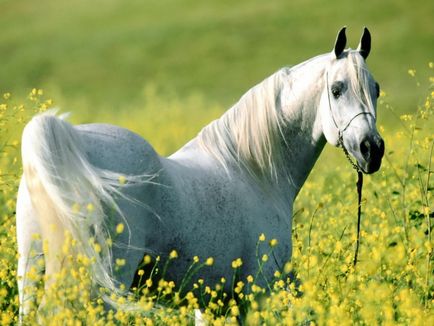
x: 29, y: 250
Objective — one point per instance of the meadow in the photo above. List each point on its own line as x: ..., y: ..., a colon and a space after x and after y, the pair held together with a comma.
x: 165, y: 69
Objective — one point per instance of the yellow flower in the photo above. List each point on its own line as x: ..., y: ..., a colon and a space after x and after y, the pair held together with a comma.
x: 147, y: 259
x: 265, y: 258
x: 209, y: 261
x: 273, y: 242
x: 280, y: 284
x: 140, y: 272
x: 122, y: 179
x: 262, y: 237
x: 235, y: 311
x: 412, y: 72
x: 250, y: 279
x: 97, y: 248
x: 237, y: 263
x: 173, y: 254
x: 239, y: 287
x: 120, y: 262
x: 195, y: 259
x: 287, y: 268
x: 406, y: 117
x: 90, y: 208
x: 120, y: 228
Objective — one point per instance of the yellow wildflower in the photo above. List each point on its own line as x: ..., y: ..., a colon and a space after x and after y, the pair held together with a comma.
x: 147, y: 259
x: 237, y: 263
x: 122, y: 179
x: 120, y: 228
x: 209, y: 261
x: 273, y: 242
x: 173, y: 254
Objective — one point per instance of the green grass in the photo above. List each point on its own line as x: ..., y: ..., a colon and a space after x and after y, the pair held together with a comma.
x: 98, y: 56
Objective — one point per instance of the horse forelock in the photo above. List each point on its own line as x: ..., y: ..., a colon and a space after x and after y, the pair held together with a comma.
x: 360, y: 79
x: 249, y: 134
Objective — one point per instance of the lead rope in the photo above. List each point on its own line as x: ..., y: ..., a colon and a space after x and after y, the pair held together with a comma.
x: 359, y: 183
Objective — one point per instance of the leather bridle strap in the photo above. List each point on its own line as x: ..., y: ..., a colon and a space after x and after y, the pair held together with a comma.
x: 355, y: 166
x: 341, y: 131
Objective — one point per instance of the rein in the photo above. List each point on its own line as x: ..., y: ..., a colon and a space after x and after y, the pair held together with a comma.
x: 359, y: 183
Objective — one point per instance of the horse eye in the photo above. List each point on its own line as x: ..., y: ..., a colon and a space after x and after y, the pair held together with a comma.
x: 336, y: 91
x: 377, y: 89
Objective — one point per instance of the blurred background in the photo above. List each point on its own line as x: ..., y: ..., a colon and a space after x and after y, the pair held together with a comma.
x: 166, y: 68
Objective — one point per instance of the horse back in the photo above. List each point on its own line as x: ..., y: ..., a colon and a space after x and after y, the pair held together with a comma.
x: 117, y: 149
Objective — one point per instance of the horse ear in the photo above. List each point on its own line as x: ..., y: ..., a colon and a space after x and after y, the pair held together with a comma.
x: 365, y: 44
x: 341, y: 41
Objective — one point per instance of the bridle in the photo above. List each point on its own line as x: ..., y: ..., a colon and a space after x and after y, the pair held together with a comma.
x: 341, y: 131
x: 354, y: 165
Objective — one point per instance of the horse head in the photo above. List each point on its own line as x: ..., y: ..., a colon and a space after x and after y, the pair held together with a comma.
x: 349, y: 101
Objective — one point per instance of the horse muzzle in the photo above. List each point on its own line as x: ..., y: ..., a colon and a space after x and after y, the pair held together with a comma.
x: 372, y: 151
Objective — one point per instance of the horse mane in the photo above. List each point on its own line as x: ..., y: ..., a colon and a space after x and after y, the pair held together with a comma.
x: 249, y: 135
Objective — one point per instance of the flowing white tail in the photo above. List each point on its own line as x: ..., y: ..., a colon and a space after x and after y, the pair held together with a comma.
x: 61, y: 184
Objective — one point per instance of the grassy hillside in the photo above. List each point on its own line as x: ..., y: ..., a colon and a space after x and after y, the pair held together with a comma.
x: 95, y: 56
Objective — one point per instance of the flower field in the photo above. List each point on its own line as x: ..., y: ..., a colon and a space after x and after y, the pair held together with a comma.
x: 392, y: 283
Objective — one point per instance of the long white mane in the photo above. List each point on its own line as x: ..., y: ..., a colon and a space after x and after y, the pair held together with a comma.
x: 249, y: 134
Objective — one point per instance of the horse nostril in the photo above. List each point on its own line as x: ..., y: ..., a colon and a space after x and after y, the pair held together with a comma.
x: 365, y: 148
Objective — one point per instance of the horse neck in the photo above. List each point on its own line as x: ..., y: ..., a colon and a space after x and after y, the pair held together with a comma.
x: 303, y: 133
x: 297, y: 99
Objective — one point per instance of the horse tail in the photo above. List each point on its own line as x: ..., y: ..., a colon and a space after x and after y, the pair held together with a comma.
x: 69, y: 194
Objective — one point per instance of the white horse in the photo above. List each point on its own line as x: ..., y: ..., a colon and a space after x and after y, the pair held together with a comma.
x: 213, y: 198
